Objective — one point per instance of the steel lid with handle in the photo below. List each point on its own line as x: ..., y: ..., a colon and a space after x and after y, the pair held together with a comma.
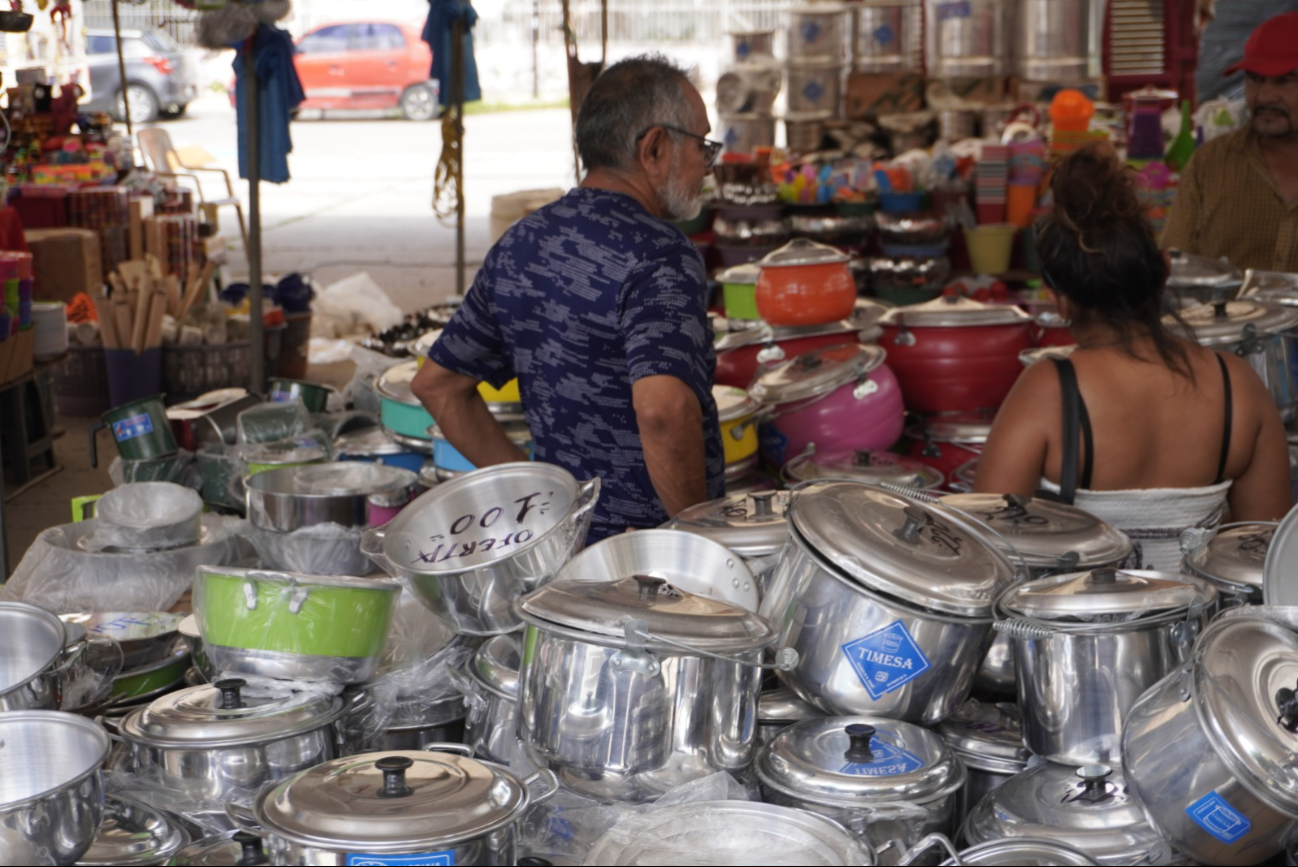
x: 1233, y: 556
x: 1190, y: 271
x: 135, y: 833
x: 861, y: 465
x: 769, y: 334
x: 750, y: 525
x: 1278, y: 586
x: 1227, y: 323
x: 242, y: 849
x: 1088, y: 808
x: 1278, y: 286
x: 952, y: 310
x: 901, y: 546
x: 817, y: 373
x: 1045, y: 533
x: 802, y: 251
x: 227, y: 713
x: 964, y: 428
x: 1103, y: 594
x: 848, y: 761
x: 393, y: 802
x: 987, y: 736
x: 659, y: 613
x: 1023, y: 851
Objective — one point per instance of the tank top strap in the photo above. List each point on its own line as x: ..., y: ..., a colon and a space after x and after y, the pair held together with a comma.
x: 1227, y: 423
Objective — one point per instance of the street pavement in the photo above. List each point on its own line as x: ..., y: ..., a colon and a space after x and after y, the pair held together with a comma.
x: 360, y: 197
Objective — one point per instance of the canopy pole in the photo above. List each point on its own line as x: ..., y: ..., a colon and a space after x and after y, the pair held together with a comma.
x: 253, y: 112
x: 457, y: 100
x: 121, y: 72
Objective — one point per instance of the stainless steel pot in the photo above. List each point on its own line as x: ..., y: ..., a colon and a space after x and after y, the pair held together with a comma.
x: 135, y: 834
x: 1228, y: 792
x: 1263, y: 333
x: 290, y: 498
x: 1088, y: 645
x: 886, y: 37
x: 491, y: 725
x: 1058, y: 41
x: 633, y: 686
x: 51, y: 795
x: 1231, y: 558
x: 221, y: 743
x: 744, y: 133
x: 31, y: 647
x: 857, y: 770
x: 989, y: 740
x: 887, y: 600
x: 472, y: 545
x: 804, y: 131
x: 779, y: 708
x: 749, y: 87
x: 1023, y: 850
x: 1201, y: 279
x: 241, y: 849
x: 751, y: 526
x: 405, y: 807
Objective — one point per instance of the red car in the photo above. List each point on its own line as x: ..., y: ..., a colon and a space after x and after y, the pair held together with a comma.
x: 366, y: 65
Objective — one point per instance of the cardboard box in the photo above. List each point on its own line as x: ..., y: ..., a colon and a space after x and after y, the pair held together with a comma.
x: 16, y: 355
x: 869, y: 93
x: 66, y: 261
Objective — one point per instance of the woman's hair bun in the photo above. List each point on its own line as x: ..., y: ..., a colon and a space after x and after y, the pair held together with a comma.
x: 1093, y: 190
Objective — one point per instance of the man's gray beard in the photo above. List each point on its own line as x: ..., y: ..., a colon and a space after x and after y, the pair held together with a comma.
x: 677, y: 202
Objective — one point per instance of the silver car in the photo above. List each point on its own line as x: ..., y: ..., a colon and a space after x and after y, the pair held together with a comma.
x: 161, y: 77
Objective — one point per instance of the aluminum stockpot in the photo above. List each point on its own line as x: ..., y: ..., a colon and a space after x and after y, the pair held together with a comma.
x: 290, y: 498
x: 967, y: 40
x: 31, y: 648
x: 887, y: 600
x: 51, y: 794
x: 1196, y: 279
x: 1088, y: 645
x: 1228, y: 792
x: 815, y: 87
x: 473, y: 544
x: 805, y: 130
x: 887, y: 36
x: 1232, y: 558
x: 779, y: 708
x: 404, y: 807
x: 818, y: 32
x: 223, y: 741
x: 750, y: 525
x: 631, y: 687
x: 1263, y: 333
x: 745, y: 133
x: 491, y: 724
x: 988, y: 739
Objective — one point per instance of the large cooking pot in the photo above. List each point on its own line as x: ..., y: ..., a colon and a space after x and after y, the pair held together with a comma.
x: 749, y: 87
x: 51, y: 795
x: 969, y: 40
x: 737, y: 413
x: 400, y: 411
x: 847, y: 767
x: 886, y: 37
x: 347, y: 493
x: 1263, y: 333
x: 987, y: 738
x: 448, y: 458
x: 886, y: 598
x: 955, y: 354
x: 860, y: 465
x: 289, y: 625
x: 472, y: 544
x: 406, y: 807
x: 1047, y: 537
x: 1088, y: 644
x: 805, y: 283
x: 815, y: 86
x: 610, y: 696
x: 1090, y: 808
x: 751, y: 526
x: 1231, y: 558
x: 31, y: 650
x: 1201, y: 279
x: 1228, y: 792
x: 741, y: 354
x: 818, y: 32
x: 135, y: 833
x: 947, y: 441
x: 840, y: 398
x: 491, y: 725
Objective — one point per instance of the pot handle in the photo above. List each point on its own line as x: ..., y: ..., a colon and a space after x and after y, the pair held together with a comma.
x: 1022, y: 629
x: 546, y: 782
x: 914, y: 853
x: 587, y: 496
x: 441, y: 747
x: 372, y: 547
x: 95, y: 427
x: 466, y: 685
x: 243, y: 818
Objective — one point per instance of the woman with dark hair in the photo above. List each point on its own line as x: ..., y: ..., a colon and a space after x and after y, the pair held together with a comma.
x: 1158, y: 434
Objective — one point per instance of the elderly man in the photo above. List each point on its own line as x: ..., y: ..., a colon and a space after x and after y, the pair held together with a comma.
x: 598, y: 305
x: 1239, y: 195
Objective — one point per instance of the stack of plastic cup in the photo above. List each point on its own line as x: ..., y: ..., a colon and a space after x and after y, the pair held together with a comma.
x: 992, y: 177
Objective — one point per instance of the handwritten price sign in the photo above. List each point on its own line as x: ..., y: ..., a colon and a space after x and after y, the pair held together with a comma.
x: 496, y: 528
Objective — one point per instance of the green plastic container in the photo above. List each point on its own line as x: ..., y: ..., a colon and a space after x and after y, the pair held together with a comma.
x: 150, y: 678
x: 140, y: 429
x: 739, y: 290
x: 314, y: 397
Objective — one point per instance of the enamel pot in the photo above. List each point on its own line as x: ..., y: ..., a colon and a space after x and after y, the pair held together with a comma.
x: 805, y: 283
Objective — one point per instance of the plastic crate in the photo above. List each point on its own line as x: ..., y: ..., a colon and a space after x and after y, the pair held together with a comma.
x: 188, y: 371
x: 81, y: 382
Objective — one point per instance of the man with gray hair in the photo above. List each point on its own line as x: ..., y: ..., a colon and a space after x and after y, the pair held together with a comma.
x: 598, y: 305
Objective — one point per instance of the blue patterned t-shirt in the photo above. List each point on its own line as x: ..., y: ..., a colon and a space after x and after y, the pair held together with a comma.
x: 578, y: 300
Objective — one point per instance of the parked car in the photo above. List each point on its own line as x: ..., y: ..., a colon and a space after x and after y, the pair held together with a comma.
x: 367, y: 65
x: 161, y: 77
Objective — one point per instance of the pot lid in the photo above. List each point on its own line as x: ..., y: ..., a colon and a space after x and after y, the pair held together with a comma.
x: 606, y: 608
x: 750, y: 525
x: 406, y: 801
x: 496, y: 665
x: 1278, y: 286
x: 1189, y: 270
x: 334, y: 479
x: 901, y: 546
x: 1102, y: 593
x: 764, y: 333
x: 875, y: 467
x: 229, y: 712
x: 517, y: 431
x: 1245, y: 674
x: 394, y: 383
x: 1235, y: 554
x: 815, y: 373
x: 986, y: 732
x: 127, y: 625
x: 970, y: 428
x: 954, y: 310
x: 746, y: 273
x: 1046, y: 533
x: 1024, y: 851
x: 733, y: 403
x: 238, y: 850
x: 1281, y: 563
x: 783, y: 705
x: 1089, y: 808
x: 1226, y: 322
x: 134, y: 833
x: 365, y: 442
x: 848, y: 760
x: 803, y: 251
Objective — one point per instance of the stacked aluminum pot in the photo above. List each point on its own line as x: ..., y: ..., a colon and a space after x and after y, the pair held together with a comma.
x: 746, y: 92
x: 886, y: 36
x: 1232, y: 558
x: 817, y: 51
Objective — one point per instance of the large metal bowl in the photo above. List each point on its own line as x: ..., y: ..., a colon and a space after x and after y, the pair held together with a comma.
x: 475, y: 542
x: 290, y: 498
x: 31, y: 645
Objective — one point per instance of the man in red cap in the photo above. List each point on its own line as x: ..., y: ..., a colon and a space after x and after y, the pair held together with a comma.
x: 1238, y: 197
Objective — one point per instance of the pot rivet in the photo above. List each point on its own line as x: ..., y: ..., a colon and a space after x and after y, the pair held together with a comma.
x: 734, y: 582
x: 858, y: 736
x: 730, y: 564
x: 394, y: 776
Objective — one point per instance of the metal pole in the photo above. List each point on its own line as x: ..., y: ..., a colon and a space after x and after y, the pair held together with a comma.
x: 121, y: 72
x: 536, y: 39
x: 457, y: 99
x: 253, y: 118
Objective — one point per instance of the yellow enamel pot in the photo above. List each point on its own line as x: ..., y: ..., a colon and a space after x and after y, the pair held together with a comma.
x: 507, y: 394
x: 737, y: 413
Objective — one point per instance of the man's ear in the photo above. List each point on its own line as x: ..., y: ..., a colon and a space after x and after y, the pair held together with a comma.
x: 654, y: 154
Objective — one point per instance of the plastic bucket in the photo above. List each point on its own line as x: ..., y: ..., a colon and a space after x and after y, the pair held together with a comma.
x: 990, y: 247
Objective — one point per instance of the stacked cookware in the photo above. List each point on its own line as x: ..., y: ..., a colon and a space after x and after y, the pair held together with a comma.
x: 746, y: 92
x: 817, y: 61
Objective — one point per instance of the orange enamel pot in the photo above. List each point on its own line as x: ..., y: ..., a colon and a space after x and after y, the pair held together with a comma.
x: 805, y: 283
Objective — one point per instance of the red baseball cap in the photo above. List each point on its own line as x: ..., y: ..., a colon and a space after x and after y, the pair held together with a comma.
x: 1272, y: 49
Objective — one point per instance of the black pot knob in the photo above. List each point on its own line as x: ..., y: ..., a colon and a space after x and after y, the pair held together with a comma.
x: 1094, y: 782
x: 252, y: 853
x: 762, y: 507
x: 1286, y: 701
x: 916, y: 520
x: 394, y: 776
x: 859, y: 736
x: 229, y: 687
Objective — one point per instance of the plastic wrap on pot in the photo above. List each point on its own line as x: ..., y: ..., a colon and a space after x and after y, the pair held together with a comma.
x: 322, y: 549
x: 58, y: 574
x: 178, y: 468
x: 270, y: 422
x: 147, y: 515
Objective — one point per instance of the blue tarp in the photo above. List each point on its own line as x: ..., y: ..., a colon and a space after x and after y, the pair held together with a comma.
x: 279, y: 92
x: 442, y: 14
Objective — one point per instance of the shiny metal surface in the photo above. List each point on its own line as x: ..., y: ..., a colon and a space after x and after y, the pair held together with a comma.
x: 804, y: 131
x: 1202, y: 278
x: 751, y: 225
x: 1281, y: 562
x: 144, y: 636
x: 988, y: 738
x: 873, y: 467
x: 491, y: 724
x: 51, y: 795
x: 816, y: 373
x: 1263, y: 333
x: 1045, y: 533
x: 289, y: 498
x: 953, y: 311
x: 743, y: 133
x: 909, y: 228
x: 598, y: 717
x: 31, y: 645
x: 886, y: 38
x: 415, y: 737
x: 1024, y: 852
x: 817, y: 32
x: 1100, y: 596
x: 779, y: 708
x: 1057, y: 40
x: 750, y: 525
x: 819, y: 610
x: 134, y: 833
x: 973, y: 43
x: 1232, y: 558
x: 229, y: 850
x: 1097, y: 814
x: 815, y: 86
x: 1221, y: 712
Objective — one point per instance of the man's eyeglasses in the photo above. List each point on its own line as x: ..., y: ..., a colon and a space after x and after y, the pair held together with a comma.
x: 711, y: 149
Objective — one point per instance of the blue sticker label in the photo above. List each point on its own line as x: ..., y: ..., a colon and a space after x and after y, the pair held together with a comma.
x: 773, y: 443
x: 947, y: 11
x: 732, y: 138
x: 130, y: 428
x: 1218, y: 818
x: 888, y: 761
x: 810, y: 31
x: 883, y: 35
x: 280, y: 396
x: 423, y: 859
x: 743, y: 49
x: 813, y: 91
x: 886, y: 659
